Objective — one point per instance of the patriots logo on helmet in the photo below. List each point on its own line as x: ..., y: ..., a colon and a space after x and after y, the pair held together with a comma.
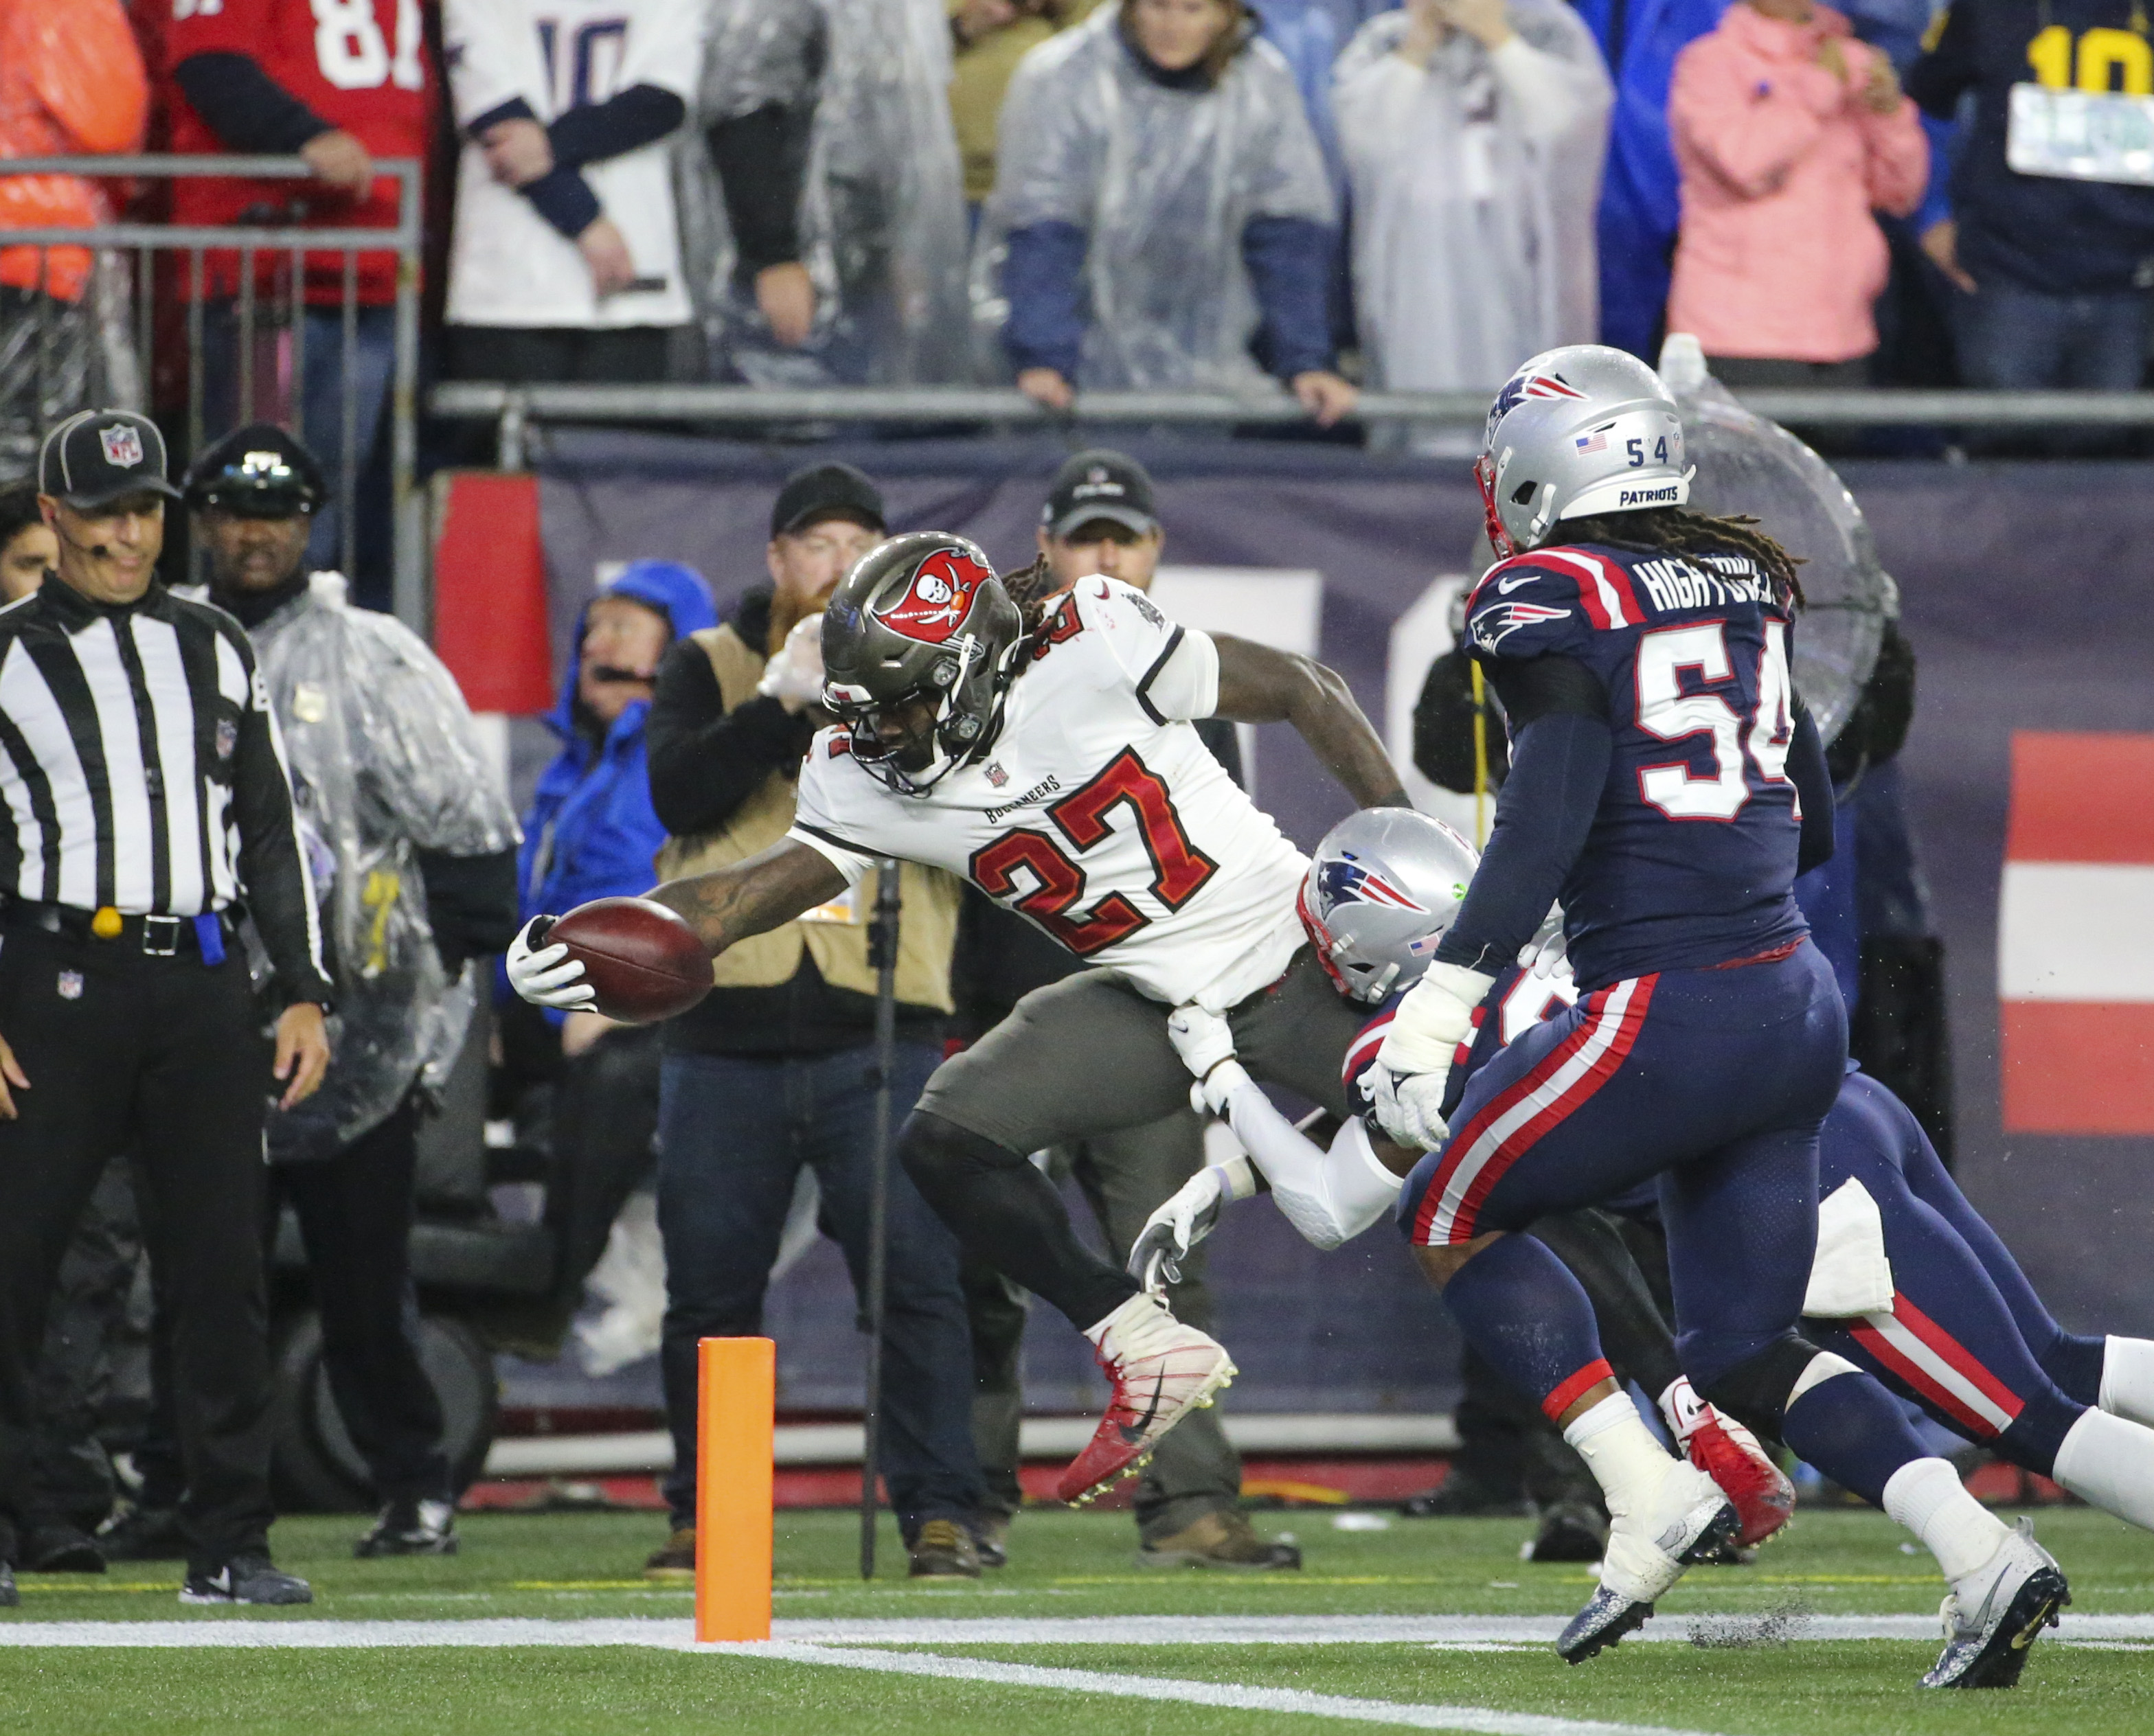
x: 1347, y: 881
x: 938, y: 598
x: 1523, y: 386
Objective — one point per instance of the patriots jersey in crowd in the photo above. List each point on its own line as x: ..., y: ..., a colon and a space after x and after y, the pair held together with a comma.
x: 1693, y: 851
x: 1097, y: 812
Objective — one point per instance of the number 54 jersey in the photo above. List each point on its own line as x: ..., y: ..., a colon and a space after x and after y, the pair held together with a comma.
x: 1097, y: 812
x: 1691, y: 855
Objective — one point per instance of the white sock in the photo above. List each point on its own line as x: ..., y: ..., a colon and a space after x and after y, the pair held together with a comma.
x: 1926, y: 1496
x: 2109, y: 1463
x: 1627, y: 1461
x: 2127, y: 1378
x: 1142, y: 1310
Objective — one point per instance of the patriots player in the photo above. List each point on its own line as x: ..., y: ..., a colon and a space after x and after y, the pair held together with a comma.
x: 1667, y: 786
x: 1052, y: 762
x: 1908, y: 1281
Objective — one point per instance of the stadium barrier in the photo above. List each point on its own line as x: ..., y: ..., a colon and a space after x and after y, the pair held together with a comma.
x: 131, y: 291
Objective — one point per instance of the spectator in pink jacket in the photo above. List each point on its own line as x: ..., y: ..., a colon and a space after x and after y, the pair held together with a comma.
x: 1788, y: 133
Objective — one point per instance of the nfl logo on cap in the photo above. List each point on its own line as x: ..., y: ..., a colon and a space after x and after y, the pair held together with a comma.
x: 123, y: 444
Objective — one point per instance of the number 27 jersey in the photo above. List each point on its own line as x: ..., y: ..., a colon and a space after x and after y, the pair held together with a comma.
x: 1097, y: 812
x: 1692, y: 856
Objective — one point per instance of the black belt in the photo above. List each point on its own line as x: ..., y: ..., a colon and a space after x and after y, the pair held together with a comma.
x: 156, y: 937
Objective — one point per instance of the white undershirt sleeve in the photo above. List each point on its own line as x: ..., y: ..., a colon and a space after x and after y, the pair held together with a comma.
x: 1331, y: 1197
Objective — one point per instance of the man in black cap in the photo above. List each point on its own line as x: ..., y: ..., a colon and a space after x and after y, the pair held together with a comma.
x: 771, y: 1072
x: 1100, y: 517
x: 139, y: 750
x: 399, y: 795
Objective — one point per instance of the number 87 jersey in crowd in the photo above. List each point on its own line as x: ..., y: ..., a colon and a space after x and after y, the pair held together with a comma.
x: 1691, y: 654
x: 1095, y: 811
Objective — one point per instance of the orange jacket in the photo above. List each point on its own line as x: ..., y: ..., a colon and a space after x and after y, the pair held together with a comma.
x: 1779, y: 255
x: 71, y: 84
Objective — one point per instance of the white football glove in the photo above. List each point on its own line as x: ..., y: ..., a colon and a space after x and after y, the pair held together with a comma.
x: 1185, y: 1220
x: 1546, y: 954
x: 1206, y: 1044
x: 1407, y: 1081
x: 546, y: 975
x: 795, y: 676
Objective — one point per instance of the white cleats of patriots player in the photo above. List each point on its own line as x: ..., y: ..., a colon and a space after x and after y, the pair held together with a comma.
x: 1161, y: 1370
x: 1650, y: 1544
x: 1993, y: 1615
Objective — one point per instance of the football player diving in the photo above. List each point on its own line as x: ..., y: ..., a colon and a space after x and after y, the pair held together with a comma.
x: 1050, y: 759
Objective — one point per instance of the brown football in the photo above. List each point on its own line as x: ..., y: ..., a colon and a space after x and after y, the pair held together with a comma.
x: 644, y: 960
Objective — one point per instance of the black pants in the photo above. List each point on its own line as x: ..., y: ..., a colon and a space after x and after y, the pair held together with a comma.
x: 354, y: 1211
x: 165, y: 1056
x: 633, y: 354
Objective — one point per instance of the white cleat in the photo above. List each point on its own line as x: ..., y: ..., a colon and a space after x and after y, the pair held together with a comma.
x: 1686, y: 1520
x: 1161, y: 1370
x: 1993, y: 1615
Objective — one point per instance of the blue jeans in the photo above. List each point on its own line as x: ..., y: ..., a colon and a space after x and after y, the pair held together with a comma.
x: 320, y: 419
x: 733, y: 1131
x: 2015, y: 339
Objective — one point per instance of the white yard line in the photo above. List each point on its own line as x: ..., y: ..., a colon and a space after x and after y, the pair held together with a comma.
x: 1230, y: 1697
x: 676, y: 1633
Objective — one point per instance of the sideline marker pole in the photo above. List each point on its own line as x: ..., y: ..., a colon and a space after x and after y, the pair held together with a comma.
x: 736, y: 1443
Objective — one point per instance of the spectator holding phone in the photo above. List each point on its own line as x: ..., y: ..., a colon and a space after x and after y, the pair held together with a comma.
x: 1789, y: 134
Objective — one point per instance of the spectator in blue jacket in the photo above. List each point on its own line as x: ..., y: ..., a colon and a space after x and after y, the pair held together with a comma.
x: 2055, y: 273
x: 591, y: 833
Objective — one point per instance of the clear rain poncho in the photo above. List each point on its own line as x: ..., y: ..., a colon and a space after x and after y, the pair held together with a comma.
x: 1474, y: 185
x: 1162, y: 182
x: 881, y: 205
x: 386, y: 762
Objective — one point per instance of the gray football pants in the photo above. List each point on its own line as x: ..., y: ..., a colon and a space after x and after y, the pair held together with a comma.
x: 1087, y: 1051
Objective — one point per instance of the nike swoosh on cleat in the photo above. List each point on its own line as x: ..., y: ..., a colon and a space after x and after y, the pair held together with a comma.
x: 1132, y: 1436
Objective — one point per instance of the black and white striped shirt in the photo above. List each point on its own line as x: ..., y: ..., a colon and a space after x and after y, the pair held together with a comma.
x: 141, y: 770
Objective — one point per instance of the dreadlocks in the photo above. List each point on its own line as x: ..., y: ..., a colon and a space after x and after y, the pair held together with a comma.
x: 1032, y: 589
x: 1676, y: 530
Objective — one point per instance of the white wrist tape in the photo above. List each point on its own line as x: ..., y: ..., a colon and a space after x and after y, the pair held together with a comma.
x: 1434, y: 1019
x: 1238, y: 1177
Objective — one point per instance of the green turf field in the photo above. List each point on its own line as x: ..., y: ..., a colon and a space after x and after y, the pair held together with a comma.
x: 579, y: 1568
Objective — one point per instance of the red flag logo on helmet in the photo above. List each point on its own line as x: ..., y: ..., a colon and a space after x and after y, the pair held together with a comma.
x: 938, y: 599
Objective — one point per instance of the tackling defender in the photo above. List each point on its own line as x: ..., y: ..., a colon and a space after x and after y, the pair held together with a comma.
x: 1056, y: 769
x: 1908, y: 1281
x: 1667, y: 785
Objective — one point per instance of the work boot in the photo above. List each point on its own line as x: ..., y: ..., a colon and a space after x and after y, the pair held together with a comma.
x: 991, y: 1538
x: 677, y: 1559
x: 943, y: 1549
x: 1223, y: 1539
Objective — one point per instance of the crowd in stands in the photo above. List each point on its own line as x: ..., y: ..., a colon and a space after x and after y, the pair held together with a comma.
x: 1098, y: 194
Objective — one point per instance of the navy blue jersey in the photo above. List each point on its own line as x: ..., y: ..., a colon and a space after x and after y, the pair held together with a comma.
x: 1691, y: 855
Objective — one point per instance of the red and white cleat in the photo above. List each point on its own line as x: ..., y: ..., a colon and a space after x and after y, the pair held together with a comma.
x: 1730, y: 1453
x: 1161, y: 1370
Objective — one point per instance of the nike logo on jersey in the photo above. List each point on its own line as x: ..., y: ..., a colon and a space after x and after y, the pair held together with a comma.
x: 1132, y: 1433
x: 1508, y: 585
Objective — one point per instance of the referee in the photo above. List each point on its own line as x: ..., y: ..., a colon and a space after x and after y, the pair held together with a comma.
x: 143, y: 799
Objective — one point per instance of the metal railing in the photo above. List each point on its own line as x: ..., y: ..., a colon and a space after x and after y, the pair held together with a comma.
x: 250, y: 242
x: 514, y: 408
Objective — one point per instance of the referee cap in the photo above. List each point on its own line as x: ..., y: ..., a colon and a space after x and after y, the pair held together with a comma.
x: 259, y: 471
x: 97, y: 456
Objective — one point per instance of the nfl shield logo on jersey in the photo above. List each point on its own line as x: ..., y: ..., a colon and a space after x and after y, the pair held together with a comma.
x: 123, y: 447
x: 996, y: 775
x: 70, y: 985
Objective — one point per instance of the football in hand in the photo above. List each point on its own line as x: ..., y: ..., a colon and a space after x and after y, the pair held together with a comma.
x: 644, y: 960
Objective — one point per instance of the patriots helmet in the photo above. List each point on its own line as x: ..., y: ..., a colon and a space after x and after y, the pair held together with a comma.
x: 920, y: 626
x: 1382, y: 888
x: 1577, y: 431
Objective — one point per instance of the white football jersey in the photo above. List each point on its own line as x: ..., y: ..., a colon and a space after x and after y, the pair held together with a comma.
x: 1097, y: 813
x: 508, y: 265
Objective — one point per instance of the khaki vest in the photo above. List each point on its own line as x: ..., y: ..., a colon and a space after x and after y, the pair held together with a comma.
x: 927, y: 924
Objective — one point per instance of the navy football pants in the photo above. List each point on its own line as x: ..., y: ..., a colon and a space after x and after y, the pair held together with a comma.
x: 1966, y: 1338
x: 1716, y: 1080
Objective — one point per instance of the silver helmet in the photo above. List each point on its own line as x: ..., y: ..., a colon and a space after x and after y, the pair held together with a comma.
x: 1381, y: 889
x: 1581, y: 429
